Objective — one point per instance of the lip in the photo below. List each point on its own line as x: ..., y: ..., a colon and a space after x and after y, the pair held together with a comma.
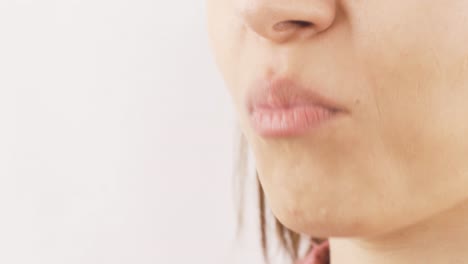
x: 282, y: 107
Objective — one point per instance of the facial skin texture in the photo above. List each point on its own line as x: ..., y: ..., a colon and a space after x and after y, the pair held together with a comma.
x: 393, y: 173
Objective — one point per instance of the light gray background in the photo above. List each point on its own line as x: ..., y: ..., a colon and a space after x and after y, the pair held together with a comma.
x: 116, y: 136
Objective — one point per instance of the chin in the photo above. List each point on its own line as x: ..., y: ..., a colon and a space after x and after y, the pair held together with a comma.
x: 323, y: 219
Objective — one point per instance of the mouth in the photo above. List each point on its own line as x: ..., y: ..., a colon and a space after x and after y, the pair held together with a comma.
x: 281, y: 107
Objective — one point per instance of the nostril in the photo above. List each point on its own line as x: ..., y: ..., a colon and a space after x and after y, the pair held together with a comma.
x: 286, y: 25
x: 301, y: 23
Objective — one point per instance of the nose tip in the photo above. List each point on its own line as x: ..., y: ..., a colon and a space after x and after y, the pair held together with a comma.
x: 283, y: 20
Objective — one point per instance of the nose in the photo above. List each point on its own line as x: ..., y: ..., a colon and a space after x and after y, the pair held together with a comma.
x: 283, y: 20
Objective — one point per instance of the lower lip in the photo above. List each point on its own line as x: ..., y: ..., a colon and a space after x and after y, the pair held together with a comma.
x: 289, y: 121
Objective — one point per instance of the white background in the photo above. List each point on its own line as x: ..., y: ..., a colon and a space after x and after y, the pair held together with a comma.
x: 116, y: 136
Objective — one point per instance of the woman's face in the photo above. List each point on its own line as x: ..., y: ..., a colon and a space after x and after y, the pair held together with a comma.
x: 400, y: 68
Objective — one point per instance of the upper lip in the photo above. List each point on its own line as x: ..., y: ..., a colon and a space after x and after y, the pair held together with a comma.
x: 284, y: 92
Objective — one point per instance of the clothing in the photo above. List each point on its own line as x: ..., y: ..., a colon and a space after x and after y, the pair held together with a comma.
x: 320, y: 254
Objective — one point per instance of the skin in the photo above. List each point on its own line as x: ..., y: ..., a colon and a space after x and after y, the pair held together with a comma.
x: 388, y: 181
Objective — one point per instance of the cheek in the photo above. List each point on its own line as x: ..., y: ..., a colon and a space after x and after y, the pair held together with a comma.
x: 227, y: 35
x: 418, y: 79
x: 238, y: 53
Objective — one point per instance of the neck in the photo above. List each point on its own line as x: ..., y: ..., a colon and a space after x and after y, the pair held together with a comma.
x: 439, y: 240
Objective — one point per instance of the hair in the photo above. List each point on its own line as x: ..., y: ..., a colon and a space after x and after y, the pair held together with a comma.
x: 289, y: 241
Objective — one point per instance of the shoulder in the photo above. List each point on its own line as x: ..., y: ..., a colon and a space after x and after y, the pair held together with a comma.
x: 319, y: 254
